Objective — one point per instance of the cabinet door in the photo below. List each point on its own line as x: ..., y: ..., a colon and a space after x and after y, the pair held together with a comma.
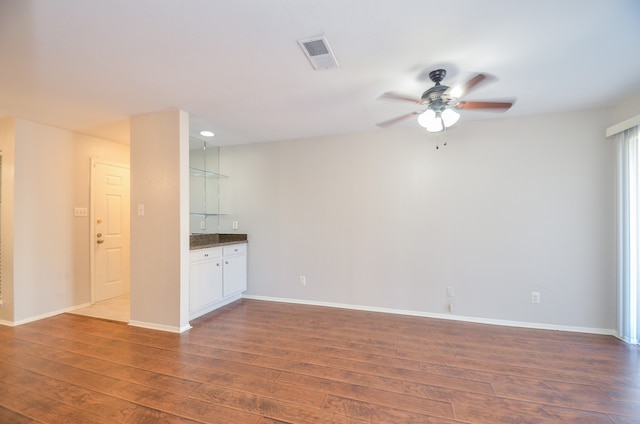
x: 205, y: 283
x: 235, y: 274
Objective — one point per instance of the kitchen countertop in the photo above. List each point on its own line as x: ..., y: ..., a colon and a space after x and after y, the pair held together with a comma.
x: 203, y: 241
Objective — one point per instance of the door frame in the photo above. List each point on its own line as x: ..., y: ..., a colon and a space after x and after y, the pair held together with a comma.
x: 92, y: 220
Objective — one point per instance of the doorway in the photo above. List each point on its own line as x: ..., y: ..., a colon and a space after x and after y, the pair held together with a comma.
x: 110, y: 231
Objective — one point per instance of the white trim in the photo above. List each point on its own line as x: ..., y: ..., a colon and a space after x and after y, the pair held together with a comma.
x: 538, y: 326
x: 159, y: 327
x: 624, y: 125
x: 39, y: 317
x: 213, y: 306
x: 43, y: 316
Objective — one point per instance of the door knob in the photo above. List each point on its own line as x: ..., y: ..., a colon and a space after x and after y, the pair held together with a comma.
x: 99, y: 235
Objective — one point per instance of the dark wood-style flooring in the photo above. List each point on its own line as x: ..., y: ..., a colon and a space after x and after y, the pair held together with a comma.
x: 269, y: 363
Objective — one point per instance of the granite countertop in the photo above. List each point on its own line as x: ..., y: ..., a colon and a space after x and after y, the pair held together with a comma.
x: 203, y: 241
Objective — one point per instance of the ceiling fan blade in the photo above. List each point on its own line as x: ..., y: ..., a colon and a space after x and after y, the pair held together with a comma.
x: 464, y: 88
x: 396, y: 120
x: 488, y: 106
x: 396, y: 96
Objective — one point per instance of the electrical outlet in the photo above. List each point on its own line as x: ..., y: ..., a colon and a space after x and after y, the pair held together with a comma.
x: 303, y: 280
x: 203, y: 225
x: 535, y: 297
x: 450, y: 292
x: 234, y: 225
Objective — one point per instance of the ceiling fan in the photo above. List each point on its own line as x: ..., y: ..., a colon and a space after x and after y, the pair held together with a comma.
x: 440, y: 102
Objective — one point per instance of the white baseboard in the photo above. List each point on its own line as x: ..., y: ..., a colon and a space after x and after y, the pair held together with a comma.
x: 505, y: 323
x: 43, y: 316
x: 159, y: 327
x: 173, y: 329
x: 215, y: 305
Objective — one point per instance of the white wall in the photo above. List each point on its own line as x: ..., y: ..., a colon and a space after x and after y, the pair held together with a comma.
x: 385, y: 220
x: 47, y: 176
x: 160, y: 237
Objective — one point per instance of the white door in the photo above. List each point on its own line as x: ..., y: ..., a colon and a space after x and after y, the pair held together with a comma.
x: 110, y: 215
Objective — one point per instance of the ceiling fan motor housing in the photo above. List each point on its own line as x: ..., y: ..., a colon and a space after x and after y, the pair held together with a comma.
x: 435, y: 97
x: 437, y: 75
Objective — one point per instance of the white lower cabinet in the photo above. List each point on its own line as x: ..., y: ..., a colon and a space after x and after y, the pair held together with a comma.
x: 217, y: 276
x: 205, y: 278
x: 234, y: 270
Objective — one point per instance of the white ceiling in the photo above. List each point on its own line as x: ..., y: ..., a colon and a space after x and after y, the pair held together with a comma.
x: 236, y: 66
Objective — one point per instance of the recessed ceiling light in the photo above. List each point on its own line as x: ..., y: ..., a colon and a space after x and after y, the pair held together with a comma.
x: 206, y: 133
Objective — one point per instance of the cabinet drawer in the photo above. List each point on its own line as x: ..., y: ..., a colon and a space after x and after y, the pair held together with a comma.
x: 234, y: 249
x: 204, y: 254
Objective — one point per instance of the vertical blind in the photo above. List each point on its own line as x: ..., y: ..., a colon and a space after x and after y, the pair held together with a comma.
x: 628, y: 235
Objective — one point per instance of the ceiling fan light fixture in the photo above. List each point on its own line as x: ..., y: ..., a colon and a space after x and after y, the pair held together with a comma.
x: 431, y: 120
x: 426, y: 118
x: 449, y: 117
x: 435, y: 125
x: 435, y: 121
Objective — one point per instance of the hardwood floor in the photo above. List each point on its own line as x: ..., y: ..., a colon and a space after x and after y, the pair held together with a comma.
x: 272, y: 363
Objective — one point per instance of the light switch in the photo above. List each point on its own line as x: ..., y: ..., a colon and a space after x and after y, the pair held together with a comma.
x: 80, y: 212
x: 140, y: 209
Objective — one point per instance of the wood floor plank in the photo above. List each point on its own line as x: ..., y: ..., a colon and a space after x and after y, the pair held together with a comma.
x: 183, y: 406
x: 376, y: 413
x: 505, y: 411
x: 304, y: 396
x: 273, y: 363
x: 59, y: 371
x: 618, y: 419
x: 43, y: 409
x: 271, y: 407
x: 561, y: 394
x: 419, y: 405
x: 102, y: 405
x: 266, y: 420
x: 9, y: 416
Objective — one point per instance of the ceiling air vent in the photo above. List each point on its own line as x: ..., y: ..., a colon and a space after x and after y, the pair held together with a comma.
x: 319, y: 53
